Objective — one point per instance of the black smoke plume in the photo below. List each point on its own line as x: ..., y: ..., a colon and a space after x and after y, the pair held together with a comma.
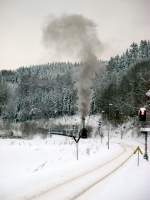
x: 75, y: 35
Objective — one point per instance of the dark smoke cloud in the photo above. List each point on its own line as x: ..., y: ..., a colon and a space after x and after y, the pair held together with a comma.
x: 76, y: 35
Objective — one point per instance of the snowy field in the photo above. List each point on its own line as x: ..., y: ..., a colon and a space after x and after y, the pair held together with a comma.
x: 29, y: 167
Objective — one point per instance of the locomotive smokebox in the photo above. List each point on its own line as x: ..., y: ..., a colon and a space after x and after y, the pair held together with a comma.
x: 83, y: 131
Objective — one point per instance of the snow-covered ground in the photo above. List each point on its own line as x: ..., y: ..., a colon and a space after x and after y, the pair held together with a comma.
x: 128, y: 183
x: 29, y: 167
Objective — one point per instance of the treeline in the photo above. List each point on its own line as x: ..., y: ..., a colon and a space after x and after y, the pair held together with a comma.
x: 123, y: 87
x: 49, y: 90
x: 136, y: 53
x: 36, y: 92
x: 123, y: 97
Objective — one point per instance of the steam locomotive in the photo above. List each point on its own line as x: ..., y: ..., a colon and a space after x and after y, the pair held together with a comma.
x: 83, y: 131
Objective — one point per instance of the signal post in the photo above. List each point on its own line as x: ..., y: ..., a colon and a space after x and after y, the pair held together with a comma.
x: 144, y: 128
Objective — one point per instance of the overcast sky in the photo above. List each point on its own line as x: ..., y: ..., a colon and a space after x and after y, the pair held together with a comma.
x: 120, y: 22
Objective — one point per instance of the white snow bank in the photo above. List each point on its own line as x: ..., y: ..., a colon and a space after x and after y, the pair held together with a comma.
x: 129, y: 183
x: 29, y: 165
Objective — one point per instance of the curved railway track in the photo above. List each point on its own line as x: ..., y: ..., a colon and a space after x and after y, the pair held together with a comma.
x: 76, y: 186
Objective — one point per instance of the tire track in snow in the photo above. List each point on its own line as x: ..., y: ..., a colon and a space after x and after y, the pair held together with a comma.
x: 101, y: 179
x: 59, y: 188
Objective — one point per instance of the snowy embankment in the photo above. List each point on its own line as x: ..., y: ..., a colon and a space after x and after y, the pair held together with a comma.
x: 131, y: 182
x: 29, y: 167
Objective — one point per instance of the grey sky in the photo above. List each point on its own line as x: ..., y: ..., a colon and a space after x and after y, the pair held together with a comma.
x: 120, y: 22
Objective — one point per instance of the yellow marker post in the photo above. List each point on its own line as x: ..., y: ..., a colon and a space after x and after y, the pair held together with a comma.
x: 139, y: 151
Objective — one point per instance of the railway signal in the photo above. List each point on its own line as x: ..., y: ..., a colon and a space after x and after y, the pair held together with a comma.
x: 144, y: 129
x: 142, y: 114
x: 100, y: 131
x: 99, y: 124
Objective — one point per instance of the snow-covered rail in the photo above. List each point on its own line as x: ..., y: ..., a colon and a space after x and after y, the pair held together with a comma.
x: 75, y: 187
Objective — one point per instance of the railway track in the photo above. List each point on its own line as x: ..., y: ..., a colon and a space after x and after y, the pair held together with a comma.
x: 75, y: 187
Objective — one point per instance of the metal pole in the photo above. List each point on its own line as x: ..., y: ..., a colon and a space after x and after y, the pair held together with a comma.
x: 138, y: 158
x: 146, y: 154
x: 77, y: 150
x: 121, y: 133
x: 100, y: 132
x: 108, y: 122
x: 101, y: 138
x: 108, y: 137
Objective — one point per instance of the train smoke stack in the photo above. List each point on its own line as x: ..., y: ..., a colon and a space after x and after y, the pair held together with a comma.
x: 83, y: 122
x: 76, y: 36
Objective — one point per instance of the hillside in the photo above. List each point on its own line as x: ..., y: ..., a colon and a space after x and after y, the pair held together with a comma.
x: 44, y: 91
